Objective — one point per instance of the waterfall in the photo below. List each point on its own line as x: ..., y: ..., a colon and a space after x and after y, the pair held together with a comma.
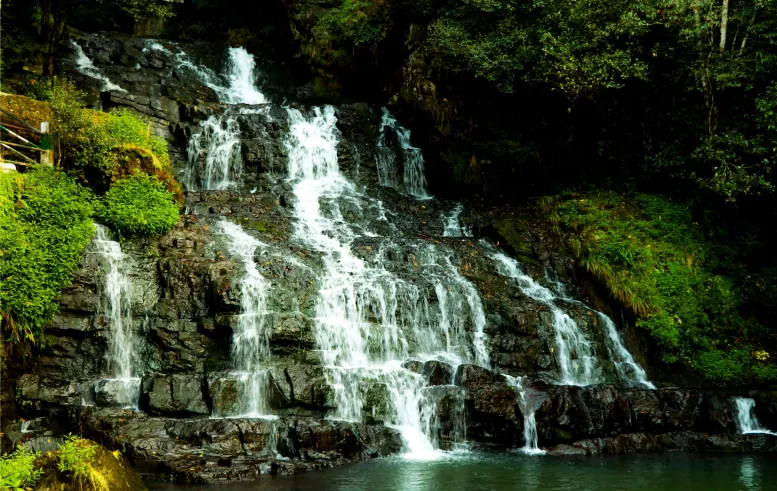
x: 251, y: 337
x: 575, y: 354
x: 368, y: 320
x: 241, y: 78
x: 213, y: 154
x: 528, y: 408
x: 627, y: 368
x: 116, y: 314
x: 85, y: 66
x: 746, y: 418
x: 218, y: 145
x: 414, y: 178
x: 452, y: 227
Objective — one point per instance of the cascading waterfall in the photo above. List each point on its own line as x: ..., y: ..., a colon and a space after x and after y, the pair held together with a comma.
x: 85, y: 66
x: 251, y: 337
x: 217, y: 146
x: 628, y: 370
x: 116, y: 314
x: 747, y: 421
x: 214, y: 160
x: 368, y: 321
x: 626, y: 366
x: 575, y: 354
x: 452, y: 226
x: 530, y: 436
x: 414, y: 177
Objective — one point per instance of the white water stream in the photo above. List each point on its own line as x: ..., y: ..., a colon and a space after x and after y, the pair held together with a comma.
x: 214, y: 159
x: 527, y: 407
x: 452, y: 226
x: 411, y: 158
x: 251, y: 336
x: 85, y: 66
x: 116, y: 296
x: 368, y: 320
x: 575, y: 354
x: 747, y: 421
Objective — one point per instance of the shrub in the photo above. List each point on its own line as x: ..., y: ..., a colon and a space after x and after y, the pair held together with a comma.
x: 76, y: 457
x: 17, y: 470
x: 139, y: 206
x: 45, y: 224
x: 92, y: 144
x: 126, y: 128
x: 655, y: 262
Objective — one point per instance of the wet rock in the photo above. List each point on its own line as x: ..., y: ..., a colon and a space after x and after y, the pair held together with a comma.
x: 303, y: 386
x: 437, y: 373
x: 213, y: 450
x: 173, y: 395
x: 116, y: 392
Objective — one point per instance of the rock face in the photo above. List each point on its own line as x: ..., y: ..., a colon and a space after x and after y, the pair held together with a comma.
x: 187, y: 307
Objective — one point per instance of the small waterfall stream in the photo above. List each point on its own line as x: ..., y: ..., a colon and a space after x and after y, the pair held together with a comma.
x: 214, y: 160
x: 747, y: 421
x: 116, y: 297
x: 575, y: 354
x: 452, y: 226
x: 528, y: 408
x: 412, y: 159
x: 251, y: 337
x: 85, y: 66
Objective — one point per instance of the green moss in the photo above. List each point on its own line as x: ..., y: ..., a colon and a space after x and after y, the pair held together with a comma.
x: 139, y: 206
x: 45, y: 224
x: 655, y: 262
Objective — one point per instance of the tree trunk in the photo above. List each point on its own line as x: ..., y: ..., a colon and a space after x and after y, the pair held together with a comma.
x: 723, y: 26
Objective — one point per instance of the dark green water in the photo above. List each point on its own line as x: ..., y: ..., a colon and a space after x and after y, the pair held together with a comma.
x: 472, y: 472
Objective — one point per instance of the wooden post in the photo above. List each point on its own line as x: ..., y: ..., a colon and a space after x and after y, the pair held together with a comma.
x: 47, y: 157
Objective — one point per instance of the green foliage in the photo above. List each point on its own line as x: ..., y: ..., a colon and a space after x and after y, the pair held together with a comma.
x: 126, y: 128
x: 139, y: 206
x: 361, y: 22
x: 17, y: 470
x: 45, y: 225
x: 76, y: 457
x: 654, y: 260
x: 90, y: 143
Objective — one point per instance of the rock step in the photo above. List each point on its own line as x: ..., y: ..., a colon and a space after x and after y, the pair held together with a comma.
x: 207, y: 449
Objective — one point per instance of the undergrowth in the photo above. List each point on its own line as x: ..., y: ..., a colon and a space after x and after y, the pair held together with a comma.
x: 17, y: 470
x: 76, y: 457
x: 655, y: 262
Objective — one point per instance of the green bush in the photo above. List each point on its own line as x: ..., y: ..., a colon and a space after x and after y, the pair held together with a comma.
x: 126, y: 128
x: 90, y: 143
x: 17, y: 470
x: 361, y: 22
x: 656, y: 263
x: 139, y: 206
x: 45, y: 224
